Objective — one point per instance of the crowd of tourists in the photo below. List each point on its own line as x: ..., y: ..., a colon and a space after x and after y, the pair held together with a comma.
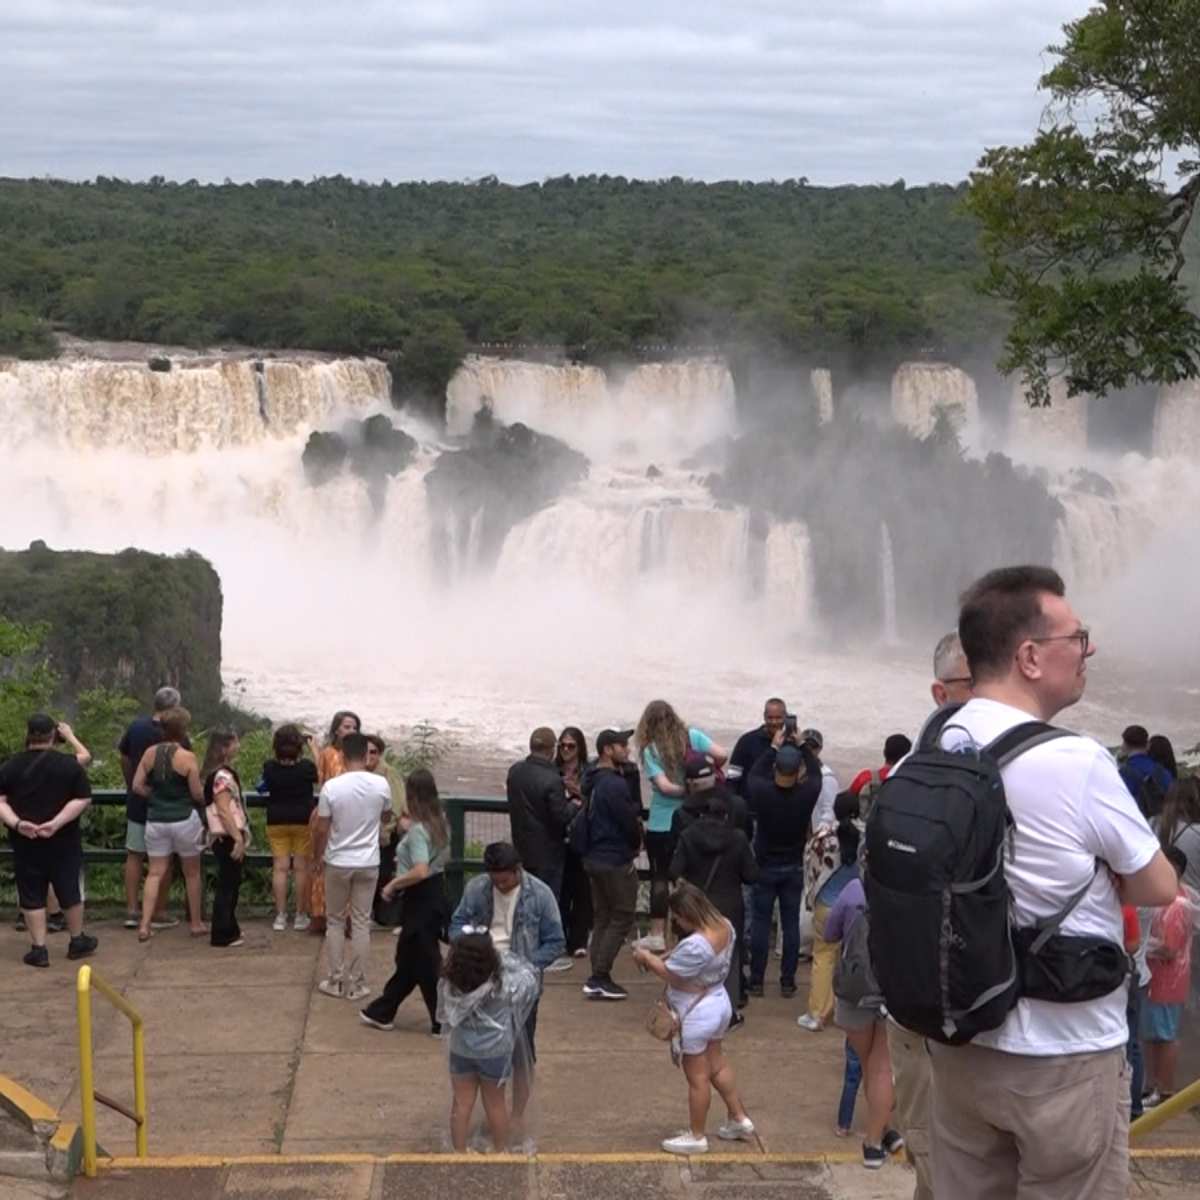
x: 1000, y: 916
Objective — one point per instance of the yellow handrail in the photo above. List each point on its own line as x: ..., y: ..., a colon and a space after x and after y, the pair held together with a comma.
x: 1160, y: 1113
x: 86, y: 980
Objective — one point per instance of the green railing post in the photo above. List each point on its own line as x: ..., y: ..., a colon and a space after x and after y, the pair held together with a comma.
x: 456, y: 812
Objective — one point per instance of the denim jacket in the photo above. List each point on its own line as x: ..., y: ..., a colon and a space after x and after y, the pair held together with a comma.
x: 537, y: 934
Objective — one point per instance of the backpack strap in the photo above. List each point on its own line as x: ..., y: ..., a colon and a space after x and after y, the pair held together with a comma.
x: 931, y: 731
x: 1047, y: 927
x: 712, y: 871
x: 1011, y: 745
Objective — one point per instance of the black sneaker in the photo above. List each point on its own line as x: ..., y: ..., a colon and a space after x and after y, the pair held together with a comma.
x: 56, y: 923
x: 435, y: 1029
x: 787, y: 990
x: 606, y: 989
x: 592, y: 986
x: 873, y: 1157
x: 755, y: 989
x: 736, y: 1022
x: 19, y: 923
x: 893, y: 1141
x: 82, y: 945
x: 37, y: 956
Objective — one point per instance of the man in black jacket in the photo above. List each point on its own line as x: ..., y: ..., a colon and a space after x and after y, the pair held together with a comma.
x: 754, y: 743
x: 783, y: 790
x: 614, y: 837
x: 539, y: 811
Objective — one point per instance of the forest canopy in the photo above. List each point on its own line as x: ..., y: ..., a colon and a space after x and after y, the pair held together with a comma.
x: 598, y: 265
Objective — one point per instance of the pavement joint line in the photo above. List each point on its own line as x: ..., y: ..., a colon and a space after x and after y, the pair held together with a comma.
x: 583, y: 1158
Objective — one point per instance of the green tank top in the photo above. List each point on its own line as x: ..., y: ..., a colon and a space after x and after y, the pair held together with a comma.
x: 170, y: 798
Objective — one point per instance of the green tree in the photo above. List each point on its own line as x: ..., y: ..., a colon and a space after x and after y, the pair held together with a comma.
x: 26, y: 681
x: 1082, y: 236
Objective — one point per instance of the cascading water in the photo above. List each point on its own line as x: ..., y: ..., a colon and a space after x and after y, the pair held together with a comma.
x: 887, y: 584
x: 1055, y: 431
x: 821, y: 379
x: 1177, y: 421
x: 923, y: 391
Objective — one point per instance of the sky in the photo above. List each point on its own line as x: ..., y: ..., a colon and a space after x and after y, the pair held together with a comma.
x: 838, y: 91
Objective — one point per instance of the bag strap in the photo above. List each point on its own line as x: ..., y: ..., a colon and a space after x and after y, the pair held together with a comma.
x: 1011, y: 745
x: 712, y: 871
x: 931, y: 731
x: 1047, y: 927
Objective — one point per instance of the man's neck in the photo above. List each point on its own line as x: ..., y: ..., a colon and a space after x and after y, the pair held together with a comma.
x: 1015, y: 695
x: 48, y: 745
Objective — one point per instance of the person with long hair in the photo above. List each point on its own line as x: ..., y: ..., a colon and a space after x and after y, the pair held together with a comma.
x: 663, y: 741
x: 484, y: 1000
x: 694, y: 973
x: 289, y: 780
x: 420, y: 863
x: 330, y: 764
x: 575, y: 902
x: 1179, y: 825
x: 228, y: 831
x: 1163, y: 753
x: 168, y: 776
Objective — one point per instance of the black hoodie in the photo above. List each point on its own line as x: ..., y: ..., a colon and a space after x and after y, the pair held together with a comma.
x: 707, y: 842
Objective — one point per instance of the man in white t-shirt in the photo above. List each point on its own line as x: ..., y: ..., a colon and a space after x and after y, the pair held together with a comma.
x: 346, y: 847
x: 1040, y: 1106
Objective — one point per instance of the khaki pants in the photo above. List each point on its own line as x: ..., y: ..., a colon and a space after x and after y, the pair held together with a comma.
x: 1013, y: 1125
x: 913, y: 1080
x: 353, y: 889
x: 825, y: 956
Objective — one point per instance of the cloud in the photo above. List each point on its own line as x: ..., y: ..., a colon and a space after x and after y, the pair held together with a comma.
x: 861, y: 91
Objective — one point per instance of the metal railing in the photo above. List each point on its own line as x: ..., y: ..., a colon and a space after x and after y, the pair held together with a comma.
x: 84, y: 983
x: 1161, y: 1113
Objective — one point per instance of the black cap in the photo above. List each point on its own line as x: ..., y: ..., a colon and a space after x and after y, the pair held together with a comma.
x: 696, y: 766
x: 788, y: 760
x: 501, y: 856
x: 40, y: 727
x: 612, y: 737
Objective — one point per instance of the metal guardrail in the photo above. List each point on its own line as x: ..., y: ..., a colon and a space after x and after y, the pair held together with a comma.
x: 1149, y: 1121
x: 84, y: 983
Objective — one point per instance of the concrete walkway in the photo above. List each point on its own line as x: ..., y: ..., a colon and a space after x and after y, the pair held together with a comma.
x: 245, y: 1057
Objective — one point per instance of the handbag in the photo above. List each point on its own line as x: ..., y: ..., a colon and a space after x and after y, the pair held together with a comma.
x: 664, y: 1023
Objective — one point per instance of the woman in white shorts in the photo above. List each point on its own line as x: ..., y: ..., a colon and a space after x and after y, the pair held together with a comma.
x: 169, y: 777
x: 694, y: 973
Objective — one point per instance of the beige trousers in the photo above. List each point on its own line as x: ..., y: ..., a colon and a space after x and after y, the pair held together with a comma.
x: 349, y: 889
x: 913, y: 1080
x: 1011, y: 1126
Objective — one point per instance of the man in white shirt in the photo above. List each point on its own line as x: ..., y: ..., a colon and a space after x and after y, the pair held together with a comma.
x: 346, y: 847
x: 1040, y: 1105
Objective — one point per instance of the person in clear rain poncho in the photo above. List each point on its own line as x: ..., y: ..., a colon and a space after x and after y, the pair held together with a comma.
x: 484, y: 1000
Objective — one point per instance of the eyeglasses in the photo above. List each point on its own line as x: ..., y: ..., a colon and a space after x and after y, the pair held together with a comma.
x: 1082, y: 636
x: 957, y: 679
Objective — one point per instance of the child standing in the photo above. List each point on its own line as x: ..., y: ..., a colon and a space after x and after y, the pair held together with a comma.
x: 484, y: 1000
x: 1169, y: 954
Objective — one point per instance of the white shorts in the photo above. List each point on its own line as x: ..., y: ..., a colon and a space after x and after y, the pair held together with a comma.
x: 707, y: 1022
x: 185, y: 838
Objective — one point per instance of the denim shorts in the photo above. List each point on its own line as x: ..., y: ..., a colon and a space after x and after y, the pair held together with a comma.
x: 493, y: 1070
x: 1160, y: 1022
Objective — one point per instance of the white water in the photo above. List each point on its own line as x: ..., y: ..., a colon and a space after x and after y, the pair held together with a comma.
x: 887, y: 584
x: 1059, y: 431
x: 921, y: 392
x: 632, y: 585
x: 822, y: 385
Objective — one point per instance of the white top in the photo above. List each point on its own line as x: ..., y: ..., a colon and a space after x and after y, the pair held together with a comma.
x: 504, y: 908
x: 823, y: 813
x: 354, y: 802
x: 1070, y: 808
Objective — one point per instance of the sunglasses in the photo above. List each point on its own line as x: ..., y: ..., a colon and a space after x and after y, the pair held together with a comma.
x: 567, y: 746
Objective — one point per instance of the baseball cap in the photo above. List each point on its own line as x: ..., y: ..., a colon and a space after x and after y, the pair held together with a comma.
x: 612, y: 737
x: 788, y: 760
x: 40, y: 726
x: 697, y: 766
x: 813, y: 738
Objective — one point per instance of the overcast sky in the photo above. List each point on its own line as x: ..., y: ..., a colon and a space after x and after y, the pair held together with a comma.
x: 836, y: 90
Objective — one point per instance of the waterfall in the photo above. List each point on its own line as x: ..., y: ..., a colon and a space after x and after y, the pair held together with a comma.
x: 666, y: 408
x: 1177, y: 421
x: 921, y: 391
x: 887, y: 581
x: 821, y: 379
x: 1057, y: 431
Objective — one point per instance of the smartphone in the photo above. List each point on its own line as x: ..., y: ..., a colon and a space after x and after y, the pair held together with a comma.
x: 789, y: 726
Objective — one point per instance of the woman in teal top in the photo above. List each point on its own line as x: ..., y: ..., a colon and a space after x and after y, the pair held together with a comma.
x: 664, y: 741
x: 420, y: 862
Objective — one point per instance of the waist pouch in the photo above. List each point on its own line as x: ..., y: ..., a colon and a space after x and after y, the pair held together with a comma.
x: 1066, y: 969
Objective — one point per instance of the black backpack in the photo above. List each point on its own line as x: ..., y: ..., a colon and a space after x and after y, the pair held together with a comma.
x: 941, y: 940
x: 1150, y: 797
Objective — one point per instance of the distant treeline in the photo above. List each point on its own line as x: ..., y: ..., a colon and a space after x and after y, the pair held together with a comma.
x: 595, y: 264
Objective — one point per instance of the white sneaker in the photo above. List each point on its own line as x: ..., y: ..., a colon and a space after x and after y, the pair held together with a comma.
x: 356, y: 991
x: 561, y: 964
x: 302, y: 922
x: 654, y: 942
x: 580, y: 953
x: 331, y: 987
x: 280, y: 922
x: 686, y: 1143
x: 809, y: 1022
x: 737, y: 1131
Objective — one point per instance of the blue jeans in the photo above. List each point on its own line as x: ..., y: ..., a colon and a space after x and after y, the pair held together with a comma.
x: 1133, y: 1048
x: 785, y: 884
x: 851, y: 1078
